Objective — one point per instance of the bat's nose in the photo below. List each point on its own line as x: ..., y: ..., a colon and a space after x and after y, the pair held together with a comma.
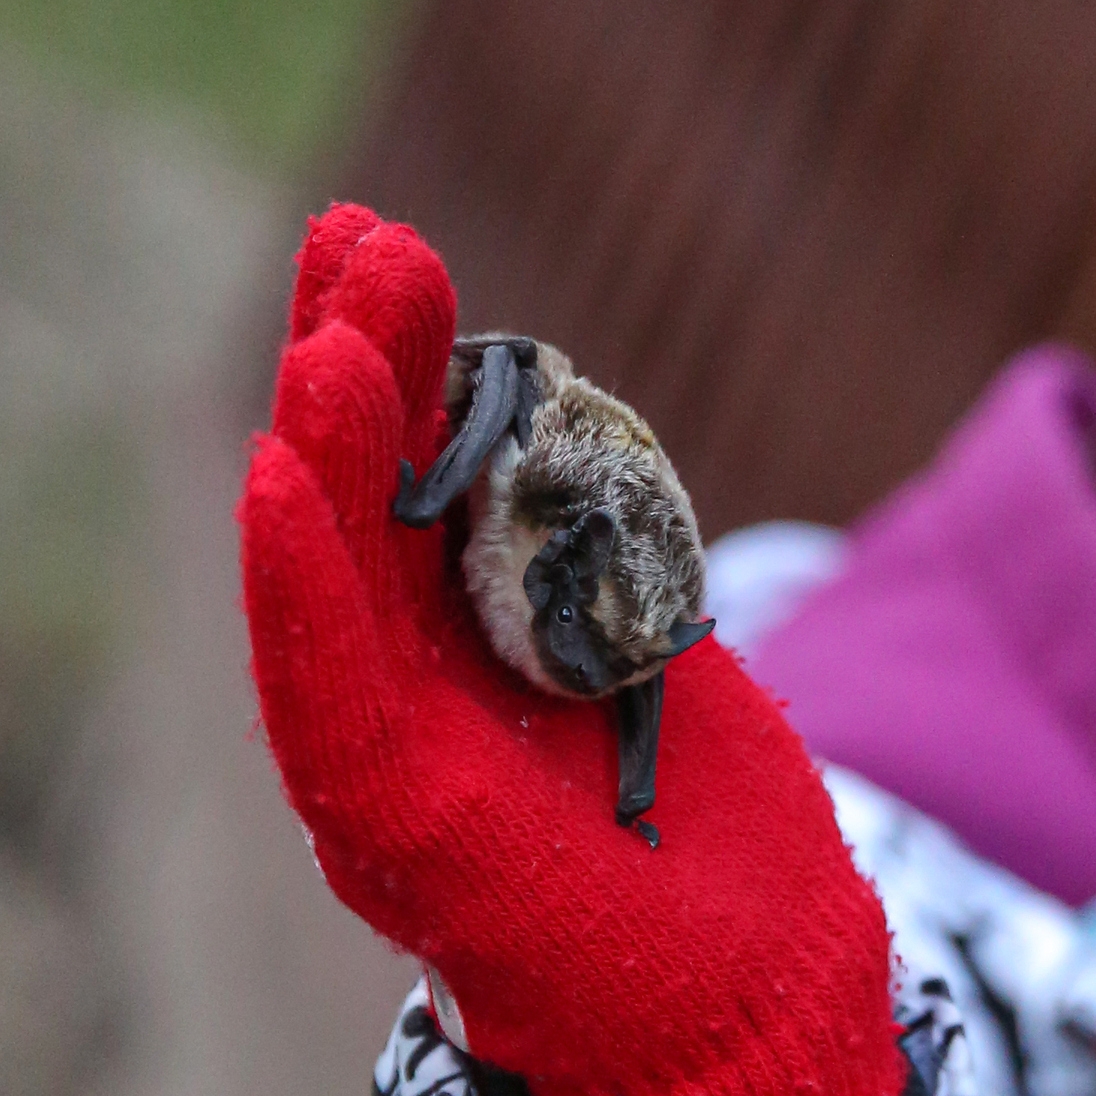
x: 590, y: 679
x: 582, y: 680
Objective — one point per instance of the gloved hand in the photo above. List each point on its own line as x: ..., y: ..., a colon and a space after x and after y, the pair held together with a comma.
x: 469, y: 818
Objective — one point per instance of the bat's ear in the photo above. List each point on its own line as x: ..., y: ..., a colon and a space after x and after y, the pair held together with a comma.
x: 571, y: 561
x: 683, y: 635
x: 541, y: 575
x: 592, y: 538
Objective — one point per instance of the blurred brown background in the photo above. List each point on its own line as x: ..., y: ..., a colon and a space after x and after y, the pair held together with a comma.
x: 798, y: 236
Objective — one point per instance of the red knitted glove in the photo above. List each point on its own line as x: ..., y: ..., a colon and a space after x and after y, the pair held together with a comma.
x: 469, y: 818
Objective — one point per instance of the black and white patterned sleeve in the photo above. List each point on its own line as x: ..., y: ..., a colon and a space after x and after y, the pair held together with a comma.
x: 418, y: 1060
x: 1020, y: 965
x: 934, y: 1042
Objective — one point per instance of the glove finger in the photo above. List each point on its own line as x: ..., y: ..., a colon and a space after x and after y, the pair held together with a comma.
x: 337, y: 405
x: 326, y: 658
x: 330, y: 239
x: 395, y: 290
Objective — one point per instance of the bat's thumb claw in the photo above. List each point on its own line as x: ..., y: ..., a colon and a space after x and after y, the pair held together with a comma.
x: 402, y: 503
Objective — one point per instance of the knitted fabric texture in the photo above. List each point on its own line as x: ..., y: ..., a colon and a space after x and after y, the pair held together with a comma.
x: 469, y: 818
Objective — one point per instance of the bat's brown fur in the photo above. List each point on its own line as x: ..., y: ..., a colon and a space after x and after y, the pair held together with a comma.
x: 586, y: 450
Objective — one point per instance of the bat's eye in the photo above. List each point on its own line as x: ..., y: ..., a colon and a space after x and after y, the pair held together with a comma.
x: 565, y: 614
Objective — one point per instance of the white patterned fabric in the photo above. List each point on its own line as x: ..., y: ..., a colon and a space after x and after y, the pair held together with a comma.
x: 935, y: 1040
x: 417, y: 1060
x: 1020, y: 965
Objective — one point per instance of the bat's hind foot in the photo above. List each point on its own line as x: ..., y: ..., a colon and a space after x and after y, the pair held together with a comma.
x: 630, y: 808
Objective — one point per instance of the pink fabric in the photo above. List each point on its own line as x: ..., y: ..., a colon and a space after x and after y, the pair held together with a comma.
x: 954, y: 662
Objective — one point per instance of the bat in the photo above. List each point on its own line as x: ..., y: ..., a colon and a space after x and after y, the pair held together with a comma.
x: 583, y: 560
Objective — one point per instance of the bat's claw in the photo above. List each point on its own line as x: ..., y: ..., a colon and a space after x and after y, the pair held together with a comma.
x: 650, y: 831
x: 407, y: 508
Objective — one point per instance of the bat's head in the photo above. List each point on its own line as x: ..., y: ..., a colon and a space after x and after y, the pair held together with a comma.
x: 571, y: 595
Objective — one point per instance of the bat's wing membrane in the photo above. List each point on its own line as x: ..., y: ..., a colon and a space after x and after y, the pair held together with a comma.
x: 639, y: 713
x: 496, y: 401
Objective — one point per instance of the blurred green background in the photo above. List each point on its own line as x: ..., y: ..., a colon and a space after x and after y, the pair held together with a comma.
x: 273, y: 83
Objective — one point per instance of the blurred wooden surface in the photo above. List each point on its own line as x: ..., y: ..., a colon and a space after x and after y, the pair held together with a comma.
x: 797, y: 236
